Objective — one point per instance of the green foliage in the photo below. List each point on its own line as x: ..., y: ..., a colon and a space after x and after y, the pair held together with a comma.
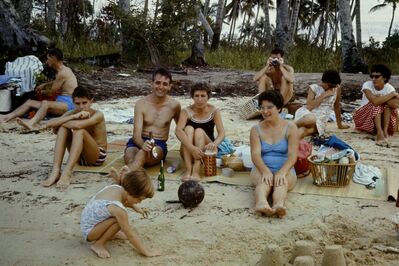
x: 301, y: 57
x: 387, y: 54
x: 85, y: 48
x: 40, y: 78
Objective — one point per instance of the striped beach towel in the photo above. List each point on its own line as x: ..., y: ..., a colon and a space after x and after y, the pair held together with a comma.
x: 25, y: 68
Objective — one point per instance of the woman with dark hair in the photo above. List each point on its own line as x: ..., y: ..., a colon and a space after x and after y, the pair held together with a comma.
x: 195, y: 130
x: 377, y: 112
x: 274, y: 146
x: 312, y: 118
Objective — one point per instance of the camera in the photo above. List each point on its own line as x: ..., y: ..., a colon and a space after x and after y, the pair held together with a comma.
x: 275, y: 62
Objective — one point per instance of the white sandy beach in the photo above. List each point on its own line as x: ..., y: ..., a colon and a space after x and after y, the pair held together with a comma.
x: 40, y: 226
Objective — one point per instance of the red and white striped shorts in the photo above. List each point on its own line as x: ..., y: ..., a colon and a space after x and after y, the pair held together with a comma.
x: 364, y: 118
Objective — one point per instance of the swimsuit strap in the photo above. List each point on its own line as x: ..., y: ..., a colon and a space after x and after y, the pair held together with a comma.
x: 286, y: 131
x: 104, y: 188
x: 191, y: 114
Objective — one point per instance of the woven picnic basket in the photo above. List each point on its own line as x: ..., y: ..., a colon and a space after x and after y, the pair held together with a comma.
x: 331, y: 174
x: 250, y: 109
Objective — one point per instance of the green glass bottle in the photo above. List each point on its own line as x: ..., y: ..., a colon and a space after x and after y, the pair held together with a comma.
x: 161, y: 178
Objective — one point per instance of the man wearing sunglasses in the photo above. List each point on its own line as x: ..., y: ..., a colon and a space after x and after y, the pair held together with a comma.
x: 377, y: 111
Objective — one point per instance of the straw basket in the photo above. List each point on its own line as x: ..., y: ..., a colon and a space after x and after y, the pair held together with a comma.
x: 250, y: 109
x: 331, y: 174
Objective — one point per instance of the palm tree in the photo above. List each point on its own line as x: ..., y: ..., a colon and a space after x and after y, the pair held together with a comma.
x: 282, y: 19
x: 394, y: 4
x: 51, y: 15
x: 294, y: 18
x: 233, y: 10
x: 358, y: 26
x: 267, y: 29
x: 351, y: 60
x: 218, y: 25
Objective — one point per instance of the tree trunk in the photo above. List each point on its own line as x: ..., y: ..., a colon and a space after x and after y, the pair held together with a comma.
x: 351, y: 60
x: 205, y: 24
x: 282, y: 17
x: 218, y: 25
x: 294, y: 19
x: 267, y: 28
x: 358, y: 26
x: 124, y: 6
x: 64, y: 23
x: 311, y: 21
x: 16, y: 37
x: 145, y: 8
x: 325, y: 26
x: 393, y: 17
x: 24, y: 10
x: 255, y: 24
x: 51, y: 15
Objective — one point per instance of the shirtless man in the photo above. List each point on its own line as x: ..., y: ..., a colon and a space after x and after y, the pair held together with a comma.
x: 81, y: 131
x: 63, y: 86
x: 276, y: 75
x: 152, y: 116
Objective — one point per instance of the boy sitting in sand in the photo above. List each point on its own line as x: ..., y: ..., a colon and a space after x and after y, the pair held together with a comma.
x: 105, y: 216
x: 81, y: 131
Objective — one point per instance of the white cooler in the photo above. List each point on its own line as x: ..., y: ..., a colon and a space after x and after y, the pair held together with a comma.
x: 5, y: 100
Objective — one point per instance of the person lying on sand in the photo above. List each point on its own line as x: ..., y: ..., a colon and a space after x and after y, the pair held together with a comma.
x: 312, y: 118
x: 195, y: 130
x: 64, y: 84
x: 82, y: 131
x: 377, y: 111
x: 274, y: 148
x: 153, y: 115
x: 105, y: 216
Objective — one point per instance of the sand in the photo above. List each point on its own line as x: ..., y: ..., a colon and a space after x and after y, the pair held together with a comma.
x: 40, y: 226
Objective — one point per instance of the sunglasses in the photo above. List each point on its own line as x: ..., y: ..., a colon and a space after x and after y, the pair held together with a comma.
x: 375, y: 76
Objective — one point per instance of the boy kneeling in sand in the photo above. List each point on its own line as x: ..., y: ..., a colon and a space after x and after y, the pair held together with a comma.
x: 105, y: 216
x: 81, y: 131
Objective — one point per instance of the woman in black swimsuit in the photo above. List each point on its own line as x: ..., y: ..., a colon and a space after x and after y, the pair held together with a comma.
x: 195, y: 130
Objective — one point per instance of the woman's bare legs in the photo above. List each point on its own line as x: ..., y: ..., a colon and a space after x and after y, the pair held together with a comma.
x: 64, y: 136
x: 280, y: 195
x: 83, y: 144
x: 262, y: 192
x: 185, y: 152
x: 306, y: 125
x: 101, y: 233
x: 200, y: 140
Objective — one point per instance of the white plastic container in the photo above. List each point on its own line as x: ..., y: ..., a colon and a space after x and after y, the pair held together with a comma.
x: 5, y: 101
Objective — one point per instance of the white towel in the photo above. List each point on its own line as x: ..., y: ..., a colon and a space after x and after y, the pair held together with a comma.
x: 25, y: 68
x: 364, y: 174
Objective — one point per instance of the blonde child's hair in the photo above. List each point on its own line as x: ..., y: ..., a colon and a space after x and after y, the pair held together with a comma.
x: 138, y: 184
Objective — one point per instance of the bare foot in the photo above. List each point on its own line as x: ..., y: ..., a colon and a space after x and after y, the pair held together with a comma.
x: 51, y: 179
x: 281, y: 211
x: 115, y: 176
x: 195, y: 178
x: 185, y: 177
x: 25, y: 124
x: 382, y: 143
x: 124, y: 170
x: 120, y: 235
x: 64, y: 182
x: 269, y: 212
x: 4, y: 118
x: 100, y: 250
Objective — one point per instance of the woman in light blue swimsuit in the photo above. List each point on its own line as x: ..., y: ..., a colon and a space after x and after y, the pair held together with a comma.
x: 274, y: 147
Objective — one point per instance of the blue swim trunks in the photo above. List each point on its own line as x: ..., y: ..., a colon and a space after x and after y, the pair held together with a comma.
x: 158, y: 142
x: 66, y: 99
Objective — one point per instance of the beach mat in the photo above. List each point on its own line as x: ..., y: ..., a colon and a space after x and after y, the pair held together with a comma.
x: 392, y: 183
x: 353, y: 190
